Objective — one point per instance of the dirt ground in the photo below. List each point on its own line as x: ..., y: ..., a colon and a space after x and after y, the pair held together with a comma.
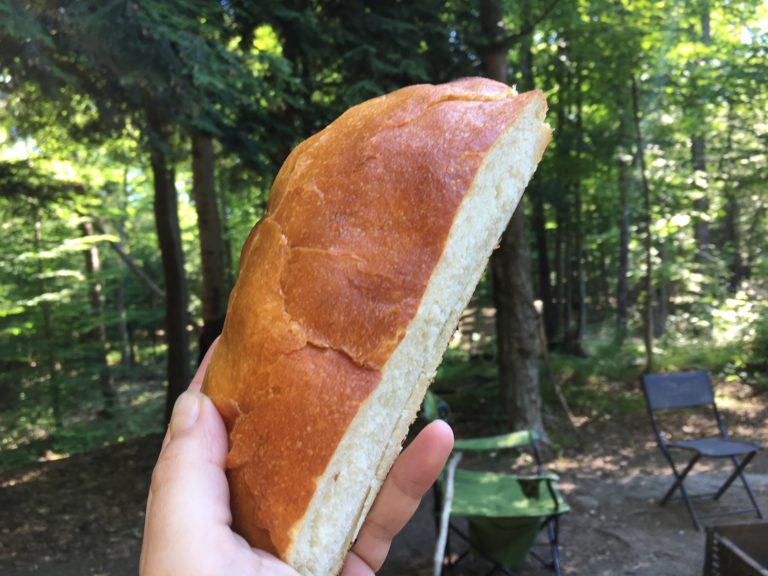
x: 616, y: 526
x: 84, y: 515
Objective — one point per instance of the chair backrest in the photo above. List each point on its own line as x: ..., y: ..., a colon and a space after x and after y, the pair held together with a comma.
x: 522, y: 439
x: 678, y: 390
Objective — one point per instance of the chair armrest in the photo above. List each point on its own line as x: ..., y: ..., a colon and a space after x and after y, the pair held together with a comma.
x: 550, y: 480
x: 548, y: 476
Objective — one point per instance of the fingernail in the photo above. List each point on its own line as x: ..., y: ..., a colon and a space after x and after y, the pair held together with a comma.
x: 185, y: 412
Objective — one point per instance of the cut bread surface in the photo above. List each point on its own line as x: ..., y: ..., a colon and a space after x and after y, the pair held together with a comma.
x: 373, y: 440
x: 378, y: 230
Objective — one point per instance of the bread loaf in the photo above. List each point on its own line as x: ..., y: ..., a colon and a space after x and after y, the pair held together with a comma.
x: 378, y: 230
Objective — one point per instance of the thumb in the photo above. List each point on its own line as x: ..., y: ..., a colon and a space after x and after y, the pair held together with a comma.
x: 187, y: 528
x: 189, y: 495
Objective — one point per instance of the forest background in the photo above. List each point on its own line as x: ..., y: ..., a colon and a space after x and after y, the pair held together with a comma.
x: 139, y: 139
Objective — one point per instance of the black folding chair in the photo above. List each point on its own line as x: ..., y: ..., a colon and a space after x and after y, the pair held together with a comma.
x: 690, y: 390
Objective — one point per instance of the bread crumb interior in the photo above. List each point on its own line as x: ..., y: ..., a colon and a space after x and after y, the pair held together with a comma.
x: 373, y: 440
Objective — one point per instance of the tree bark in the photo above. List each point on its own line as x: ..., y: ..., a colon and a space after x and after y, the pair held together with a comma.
x: 544, y: 267
x: 516, y: 322
x: 212, y: 249
x: 517, y: 338
x: 580, y: 257
x: 169, y: 238
x: 731, y: 217
x: 581, y: 327
x: 495, y: 50
x: 661, y: 300
x: 622, y: 284
x: 699, y: 164
x: 563, y: 210
x: 569, y: 281
x: 560, y: 282
x: 733, y: 240
x: 753, y: 253
x: 98, y: 334
x: 536, y: 194
x: 47, y: 333
x: 225, y: 232
x: 126, y: 352
x: 648, y: 240
x: 573, y: 276
x: 701, y: 204
x: 603, y: 281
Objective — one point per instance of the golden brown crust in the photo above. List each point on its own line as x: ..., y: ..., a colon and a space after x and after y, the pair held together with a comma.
x: 330, y: 279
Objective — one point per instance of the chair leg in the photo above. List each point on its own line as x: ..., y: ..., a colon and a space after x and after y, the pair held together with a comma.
x: 553, y: 531
x: 678, y: 485
x: 679, y: 478
x: 437, y: 506
x: 740, y: 466
x: 736, y: 473
x: 437, y: 501
x: 447, y: 555
x: 691, y: 510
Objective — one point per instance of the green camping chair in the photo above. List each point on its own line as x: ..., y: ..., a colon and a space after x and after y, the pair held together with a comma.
x: 505, y: 512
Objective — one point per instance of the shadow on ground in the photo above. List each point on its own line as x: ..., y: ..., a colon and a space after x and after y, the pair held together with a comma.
x: 83, y: 516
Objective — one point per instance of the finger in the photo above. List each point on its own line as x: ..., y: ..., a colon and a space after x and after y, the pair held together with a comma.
x: 189, y: 494
x: 356, y: 566
x: 197, y: 379
x: 411, y: 476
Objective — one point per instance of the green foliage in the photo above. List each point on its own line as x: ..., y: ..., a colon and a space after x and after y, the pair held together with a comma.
x: 28, y: 432
x: 89, y: 89
x: 459, y: 368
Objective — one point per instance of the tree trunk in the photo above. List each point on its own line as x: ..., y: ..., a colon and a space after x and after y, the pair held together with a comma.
x: 212, y: 249
x: 568, y: 276
x: 701, y: 204
x: 733, y: 241
x: 622, y: 284
x: 516, y: 334
x: 581, y: 279
x: 98, y: 334
x: 495, y: 50
x: 543, y: 265
x: 169, y: 238
x: 731, y: 216
x: 536, y: 194
x: 560, y: 267
x: 699, y: 164
x: 225, y: 232
x: 126, y: 349
x: 580, y: 256
x: 604, y: 282
x: 563, y: 248
x: 661, y: 308
x: 47, y: 330
x: 648, y: 244
x: 126, y: 355
x: 516, y: 322
x: 753, y: 253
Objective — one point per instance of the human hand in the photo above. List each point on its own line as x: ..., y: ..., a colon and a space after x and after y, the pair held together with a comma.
x: 187, y: 530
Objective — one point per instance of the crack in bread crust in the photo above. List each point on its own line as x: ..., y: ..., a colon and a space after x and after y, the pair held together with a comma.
x: 331, y: 280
